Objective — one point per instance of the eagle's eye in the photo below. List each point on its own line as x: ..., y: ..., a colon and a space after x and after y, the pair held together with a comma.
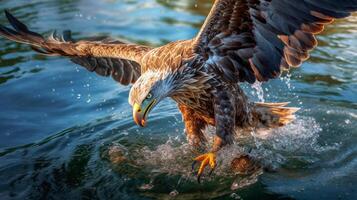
x: 149, y: 96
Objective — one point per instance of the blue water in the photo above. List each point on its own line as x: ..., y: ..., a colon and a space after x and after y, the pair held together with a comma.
x: 66, y: 133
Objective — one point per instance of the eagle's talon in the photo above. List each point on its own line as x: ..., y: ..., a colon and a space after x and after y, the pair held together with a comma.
x: 199, y: 178
x: 205, y: 159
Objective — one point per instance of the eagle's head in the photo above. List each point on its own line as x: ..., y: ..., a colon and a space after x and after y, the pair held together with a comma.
x: 147, y: 92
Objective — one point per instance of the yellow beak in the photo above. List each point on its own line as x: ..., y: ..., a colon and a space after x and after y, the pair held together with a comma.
x: 140, y: 115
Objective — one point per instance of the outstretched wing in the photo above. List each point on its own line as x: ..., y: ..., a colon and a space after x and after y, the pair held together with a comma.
x: 104, y: 56
x: 249, y: 40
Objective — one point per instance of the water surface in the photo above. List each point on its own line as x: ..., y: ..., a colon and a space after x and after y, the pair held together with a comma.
x: 68, y: 133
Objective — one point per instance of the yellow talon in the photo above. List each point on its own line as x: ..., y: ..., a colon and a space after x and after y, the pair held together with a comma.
x: 205, y: 159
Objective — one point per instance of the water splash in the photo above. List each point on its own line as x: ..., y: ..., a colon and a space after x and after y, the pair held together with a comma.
x: 167, y: 158
x: 298, y: 140
x: 259, y: 92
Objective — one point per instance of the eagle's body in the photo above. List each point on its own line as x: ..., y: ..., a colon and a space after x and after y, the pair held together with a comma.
x: 196, y: 87
x: 199, y: 91
x: 240, y: 41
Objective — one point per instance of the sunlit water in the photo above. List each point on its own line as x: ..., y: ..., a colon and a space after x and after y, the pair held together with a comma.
x: 68, y: 134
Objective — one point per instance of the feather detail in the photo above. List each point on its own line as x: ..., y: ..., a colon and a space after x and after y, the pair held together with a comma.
x: 103, y: 55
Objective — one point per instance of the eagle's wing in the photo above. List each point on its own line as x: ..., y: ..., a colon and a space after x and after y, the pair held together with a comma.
x: 249, y: 40
x: 104, y: 56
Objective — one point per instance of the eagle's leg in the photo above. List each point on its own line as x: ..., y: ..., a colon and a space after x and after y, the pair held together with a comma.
x: 194, y: 126
x: 225, y: 123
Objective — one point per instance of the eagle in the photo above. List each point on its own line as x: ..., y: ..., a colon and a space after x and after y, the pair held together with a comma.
x: 240, y: 41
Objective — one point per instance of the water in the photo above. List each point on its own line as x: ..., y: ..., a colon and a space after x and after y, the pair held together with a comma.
x: 67, y: 133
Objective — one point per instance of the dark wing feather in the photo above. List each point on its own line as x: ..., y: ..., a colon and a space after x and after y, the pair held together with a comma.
x: 249, y: 40
x: 105, y: 56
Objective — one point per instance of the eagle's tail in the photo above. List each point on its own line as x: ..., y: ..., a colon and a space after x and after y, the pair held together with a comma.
x: 271, y: 115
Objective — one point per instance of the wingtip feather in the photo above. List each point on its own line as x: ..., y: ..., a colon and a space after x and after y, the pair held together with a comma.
x: 19, y: 26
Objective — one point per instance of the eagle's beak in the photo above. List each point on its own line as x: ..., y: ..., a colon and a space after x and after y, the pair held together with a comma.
x: 140, y: 114
x: 137, y: 115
